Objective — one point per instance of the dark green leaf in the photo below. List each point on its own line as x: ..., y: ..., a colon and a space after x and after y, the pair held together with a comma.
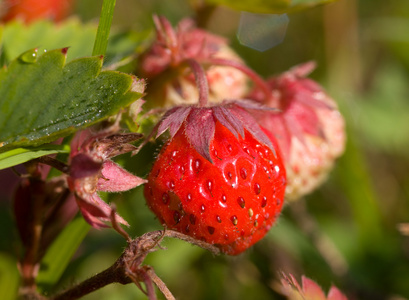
x: 269, y: 6
x: 42, y: 99
x: 21, y: 155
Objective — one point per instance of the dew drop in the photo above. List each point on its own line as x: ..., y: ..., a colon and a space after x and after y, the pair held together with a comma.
x: 210, y: 229
x: 29, y: 57
x: 234, y: 220
x: 241, y: 202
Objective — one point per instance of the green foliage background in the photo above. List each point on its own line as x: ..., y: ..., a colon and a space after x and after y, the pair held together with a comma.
x: 346, y: 232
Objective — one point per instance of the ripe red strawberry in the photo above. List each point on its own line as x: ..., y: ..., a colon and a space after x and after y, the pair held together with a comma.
x: 309, y: 128
x: 219, y: 178
x: 31, y: 10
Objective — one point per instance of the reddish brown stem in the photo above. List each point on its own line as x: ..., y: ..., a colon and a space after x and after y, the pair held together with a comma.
x: 55, y: 163
x: 201, y: 81
x: 128, y: 268
x: 29, y: 264
x: 114, y: 274
x: 259, y: 81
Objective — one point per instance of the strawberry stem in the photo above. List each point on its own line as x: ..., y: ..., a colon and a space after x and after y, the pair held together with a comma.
x: 258, y: 80
x: 104, y: 26
x: 201, y: 81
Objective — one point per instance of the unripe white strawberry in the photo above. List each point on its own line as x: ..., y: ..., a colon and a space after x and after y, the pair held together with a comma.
x: 170, y: 82
x: 308, y: 126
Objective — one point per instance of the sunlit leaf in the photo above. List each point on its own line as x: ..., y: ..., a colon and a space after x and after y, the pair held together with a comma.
x: 21, y: 155
x: 42, y: 98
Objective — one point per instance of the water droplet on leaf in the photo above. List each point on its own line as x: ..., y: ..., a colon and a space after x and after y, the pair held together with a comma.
x: 29, y: 57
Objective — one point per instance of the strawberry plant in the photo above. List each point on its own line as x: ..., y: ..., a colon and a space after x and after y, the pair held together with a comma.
x: 149, y: 148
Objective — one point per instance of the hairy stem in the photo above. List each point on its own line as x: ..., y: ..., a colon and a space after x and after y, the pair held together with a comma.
x: 201, y: 81
x: 259, y: 81
x: 114, y: 274
x: 160, y: 284
x: 55, y: 163
x: 129, y: 267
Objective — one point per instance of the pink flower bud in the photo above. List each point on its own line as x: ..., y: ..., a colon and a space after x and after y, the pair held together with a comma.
x: 170, y: 83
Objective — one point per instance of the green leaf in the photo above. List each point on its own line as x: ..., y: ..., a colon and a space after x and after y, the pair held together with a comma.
x: 21, y: 155
x: 269, y: 6
x: 79, y: 37
x: 60, y: 253
x: 42, y: 98
x: 19, y: 37
x: 9, y: 277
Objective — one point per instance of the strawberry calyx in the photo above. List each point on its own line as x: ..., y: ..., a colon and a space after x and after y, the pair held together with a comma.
x: 200, y: 123
x: 200, y: 120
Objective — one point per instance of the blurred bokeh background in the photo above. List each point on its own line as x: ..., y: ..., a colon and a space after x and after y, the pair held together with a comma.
x: 350, y: 232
